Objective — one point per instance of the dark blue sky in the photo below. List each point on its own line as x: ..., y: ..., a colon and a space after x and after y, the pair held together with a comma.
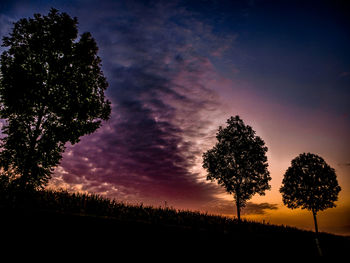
x: 290, y: 49
x: 178, y: 69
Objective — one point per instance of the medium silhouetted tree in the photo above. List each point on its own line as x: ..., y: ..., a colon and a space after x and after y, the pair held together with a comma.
x: 238, y: 162
x: 310, y: 183
x: 52, y: 92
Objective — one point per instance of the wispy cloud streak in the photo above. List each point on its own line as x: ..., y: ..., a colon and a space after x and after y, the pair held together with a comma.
x: 161, y: 110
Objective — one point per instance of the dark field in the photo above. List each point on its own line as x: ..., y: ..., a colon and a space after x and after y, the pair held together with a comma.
x: 63, y: 223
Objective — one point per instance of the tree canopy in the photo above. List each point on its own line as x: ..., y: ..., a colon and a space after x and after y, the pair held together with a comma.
x: 310, y: 183
x: 51, y: 92
x: 238, y: 162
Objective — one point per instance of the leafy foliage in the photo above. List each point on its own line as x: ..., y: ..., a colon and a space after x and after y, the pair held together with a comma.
x: 310, y: 183
x: 238, y: 162
x: 52, y: 92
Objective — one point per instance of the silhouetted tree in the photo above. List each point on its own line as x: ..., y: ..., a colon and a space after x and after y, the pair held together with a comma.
x: 310, y: 183
x: 52, y: 92
x: 238, y: 162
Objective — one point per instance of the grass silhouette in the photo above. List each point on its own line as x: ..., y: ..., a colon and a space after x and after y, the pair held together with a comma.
x: 98, y: 222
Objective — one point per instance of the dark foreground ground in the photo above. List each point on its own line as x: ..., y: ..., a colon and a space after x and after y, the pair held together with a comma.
x: 54, y: 225
x: 60, y: 234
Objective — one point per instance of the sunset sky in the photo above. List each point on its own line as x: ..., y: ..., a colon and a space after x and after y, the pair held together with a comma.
x: 177, y: 70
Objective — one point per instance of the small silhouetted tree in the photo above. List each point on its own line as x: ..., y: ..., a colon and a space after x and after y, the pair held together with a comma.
x: 238, y: 162
x: 310, y: 183
x: 52, y: 92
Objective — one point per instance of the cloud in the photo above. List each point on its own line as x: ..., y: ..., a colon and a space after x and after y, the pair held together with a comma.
x: 258, y: 209
x: 344, y: 74
x: 344, y: 164
x: 228, y: 208
x: 162, y: 109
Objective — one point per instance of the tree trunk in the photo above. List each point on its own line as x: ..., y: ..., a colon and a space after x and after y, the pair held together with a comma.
x: 33, y: 141
x: 314, y: 213
x: 238, y: 209
x: 315, y: 221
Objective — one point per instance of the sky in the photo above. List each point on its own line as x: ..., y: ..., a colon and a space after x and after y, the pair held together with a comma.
x: 177, y: 70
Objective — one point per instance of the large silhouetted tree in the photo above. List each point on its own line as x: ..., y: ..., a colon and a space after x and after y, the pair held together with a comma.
x: 238, y: 162
x: 52, y: 92
x: 310, y: 183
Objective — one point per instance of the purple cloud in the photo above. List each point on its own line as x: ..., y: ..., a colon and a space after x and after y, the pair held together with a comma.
x: 161, y: 106
x: 156, y: 59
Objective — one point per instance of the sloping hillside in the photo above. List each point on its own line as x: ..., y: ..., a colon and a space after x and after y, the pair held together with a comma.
x: 62, y: 222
